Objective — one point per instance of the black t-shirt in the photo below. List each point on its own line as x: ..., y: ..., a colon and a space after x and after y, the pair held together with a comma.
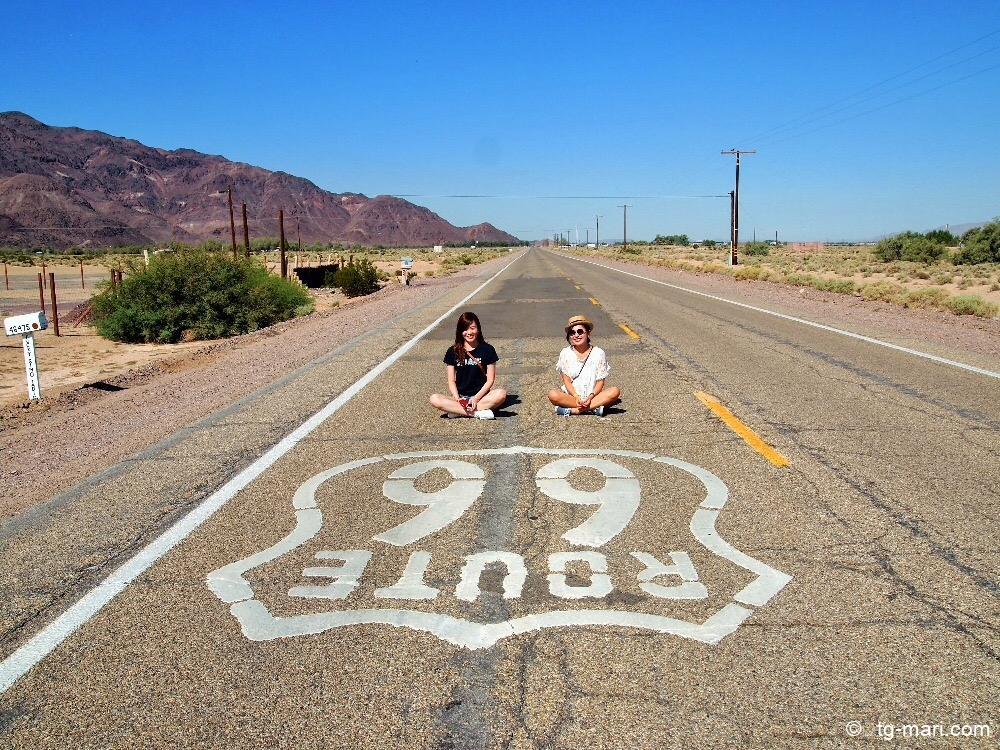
x: 469, y: 376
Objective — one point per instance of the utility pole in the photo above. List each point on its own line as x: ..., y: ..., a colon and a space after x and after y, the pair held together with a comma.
x: 732, y: 219
x: 625, y: 209
x: 232, y: 222
x: 281, y: 243
x: 588, y: 235
x: 736, y: 198
x: 597, y: 219
x: 246, y: 232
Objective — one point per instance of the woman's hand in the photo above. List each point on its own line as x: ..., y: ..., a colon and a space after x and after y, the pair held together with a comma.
x: 473, y: 406
x: 584, y: 402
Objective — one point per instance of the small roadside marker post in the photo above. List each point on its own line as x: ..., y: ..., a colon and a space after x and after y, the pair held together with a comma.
x: 82, y: 284
x: 6, y: 279
x: 41, y: 294
x: 25, y: 326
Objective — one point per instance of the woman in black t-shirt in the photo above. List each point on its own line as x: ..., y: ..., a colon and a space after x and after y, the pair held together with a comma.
x: 471, y: 373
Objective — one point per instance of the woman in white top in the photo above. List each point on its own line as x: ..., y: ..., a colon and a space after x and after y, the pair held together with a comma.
x: 584, y: 368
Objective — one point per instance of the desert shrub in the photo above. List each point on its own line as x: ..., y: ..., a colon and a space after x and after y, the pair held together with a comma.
x: 672, y: 239
x: 799, y: 279
x: 943, y: 236
x: 756, y: 248
x: 971, y: 304
x: 358, y: 278
x: 925, y: 298
x: 194, y: 295
x: 884, y: 291
x: 747, y: 272
x: 839, y: 286
x: 980, y: 245
x: 909, y: 246
x: 632, y: 250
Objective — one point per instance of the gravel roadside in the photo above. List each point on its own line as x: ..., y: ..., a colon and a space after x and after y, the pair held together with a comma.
x: 53, y: 445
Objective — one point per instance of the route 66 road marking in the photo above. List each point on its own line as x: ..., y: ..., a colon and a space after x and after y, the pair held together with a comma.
x: 410, y: 599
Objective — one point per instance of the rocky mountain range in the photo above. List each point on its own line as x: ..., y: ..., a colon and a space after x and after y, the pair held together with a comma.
x: 66, y: 187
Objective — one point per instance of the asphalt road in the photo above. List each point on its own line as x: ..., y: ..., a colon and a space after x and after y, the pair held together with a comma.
x: 643, y: 580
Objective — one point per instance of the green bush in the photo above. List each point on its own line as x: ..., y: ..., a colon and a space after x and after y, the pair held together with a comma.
x: 756, y: 248
x: 971, y: 304
x: 194, y: 295
x: 839, y: 286
x: 672, y: 239
x: 909, y: 246
x: 943, y: 236
x: 980, y: 245
x: 883, y: 291
x: 357, y: 279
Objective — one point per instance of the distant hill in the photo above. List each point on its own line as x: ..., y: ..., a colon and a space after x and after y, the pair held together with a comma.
x: 959, y: 229
x: 63, y: 187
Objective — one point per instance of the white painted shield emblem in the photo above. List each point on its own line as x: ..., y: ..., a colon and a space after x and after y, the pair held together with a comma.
x: 595, y: 555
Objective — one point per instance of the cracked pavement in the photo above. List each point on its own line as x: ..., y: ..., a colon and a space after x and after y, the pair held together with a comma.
x: 885, y: 520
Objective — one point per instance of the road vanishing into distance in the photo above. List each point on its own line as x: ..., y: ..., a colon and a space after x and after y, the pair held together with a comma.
x: 783, y: 537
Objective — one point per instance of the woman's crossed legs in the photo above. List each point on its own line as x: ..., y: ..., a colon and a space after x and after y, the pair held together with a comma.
x: 492, y: 400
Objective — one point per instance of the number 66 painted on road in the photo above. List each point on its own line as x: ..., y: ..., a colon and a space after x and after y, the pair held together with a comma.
x: 618, y: 499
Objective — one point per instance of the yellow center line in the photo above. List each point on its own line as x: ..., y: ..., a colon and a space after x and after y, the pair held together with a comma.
x: 629, y: 331
x: 595, y: 302
x: 752, y: 438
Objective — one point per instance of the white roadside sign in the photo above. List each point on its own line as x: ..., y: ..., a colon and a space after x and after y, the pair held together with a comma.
x: 26, y: 326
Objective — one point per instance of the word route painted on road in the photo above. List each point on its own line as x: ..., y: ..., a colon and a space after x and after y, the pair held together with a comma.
x: 429, y: 573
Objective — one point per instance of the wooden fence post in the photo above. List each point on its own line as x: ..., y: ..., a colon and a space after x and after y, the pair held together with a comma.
x: 55, y: 302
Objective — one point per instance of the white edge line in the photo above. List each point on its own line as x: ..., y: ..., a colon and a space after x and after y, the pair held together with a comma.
x: 45, y: 641
x: 870, y: 340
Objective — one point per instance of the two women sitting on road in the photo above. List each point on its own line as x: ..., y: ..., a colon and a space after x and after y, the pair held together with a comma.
x: 583, y: 368
x: 472, y: 371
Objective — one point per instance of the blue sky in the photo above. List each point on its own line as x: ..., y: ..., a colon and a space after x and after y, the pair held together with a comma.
x: 525, y: 100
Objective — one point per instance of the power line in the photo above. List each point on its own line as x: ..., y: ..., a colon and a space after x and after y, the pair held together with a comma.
x: 883, y: 106
x: 875, y: 85
x: 876, y: 96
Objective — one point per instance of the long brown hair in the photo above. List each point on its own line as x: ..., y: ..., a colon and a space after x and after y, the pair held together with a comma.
x: 464, y: 321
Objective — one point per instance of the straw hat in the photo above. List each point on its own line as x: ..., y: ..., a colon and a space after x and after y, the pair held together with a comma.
x: 582, y: 320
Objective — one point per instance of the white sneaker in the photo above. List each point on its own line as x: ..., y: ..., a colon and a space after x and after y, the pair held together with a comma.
x: 599, y: 411
x: 484, y: 414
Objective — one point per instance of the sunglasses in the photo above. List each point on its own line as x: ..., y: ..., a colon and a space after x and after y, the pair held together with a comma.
x: 579, y: 331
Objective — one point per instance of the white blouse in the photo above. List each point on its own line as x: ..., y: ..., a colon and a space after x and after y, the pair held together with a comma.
x: 584, y: 375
